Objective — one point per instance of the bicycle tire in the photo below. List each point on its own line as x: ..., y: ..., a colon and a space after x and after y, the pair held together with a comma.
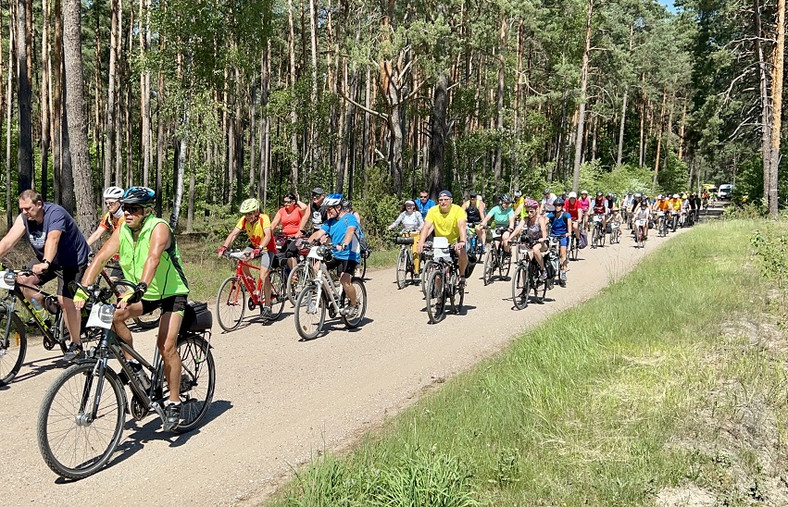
x: 426, y: 267
x: 314, y: 313
x: 436, y: 298
x: 489, y: 266
x: 402, y: 269
x: 231, y: 304
x: 460, y: 307
x: 520, y: 287
x: 573, y: 251
x: 595, y: 237
x: 361, y: 268
x: 539, y: 285
x: 278, y: 296
x: 198, y: 380
x: 504, y: 264
x: 296, y: 280
x: 361, y: 300
x: 63, y: 433
x: 13, y: 355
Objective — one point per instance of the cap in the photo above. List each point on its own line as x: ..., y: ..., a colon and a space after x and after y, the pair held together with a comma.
x: 444, y: 193
x: 318, y: 191
x: 473, y: 195
x: 409, y: 202
x: 573, y: 195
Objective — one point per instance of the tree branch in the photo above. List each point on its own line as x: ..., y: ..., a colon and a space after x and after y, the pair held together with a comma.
x: 382, y: 116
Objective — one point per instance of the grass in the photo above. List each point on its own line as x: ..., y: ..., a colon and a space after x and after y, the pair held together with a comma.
x: 654, y: 390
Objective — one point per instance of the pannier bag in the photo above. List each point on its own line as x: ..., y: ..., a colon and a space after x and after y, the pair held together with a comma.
x: 583, y: 240
x: 196, y: 317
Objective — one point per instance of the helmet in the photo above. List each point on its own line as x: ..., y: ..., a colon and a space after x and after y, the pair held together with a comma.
x: 675, y: 196
x: 530, y: 203
x: 638, y: 195
x: 250, y: 205
x: 517, y: 194
x: 609, y: 195
x: 584, y: 192
x: 573, y: 195
x: 600, y: 194
x: 143, y: 196
x: 333, y: 200
x: 506, y: 198
x: 347, y: 205
x: 643, y: 204
x: 113, y: 193
x: 660, y: 197
x: 558, y: 202
x: 546, y: 191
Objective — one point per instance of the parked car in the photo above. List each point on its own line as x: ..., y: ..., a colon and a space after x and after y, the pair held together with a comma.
x: 725, y: 192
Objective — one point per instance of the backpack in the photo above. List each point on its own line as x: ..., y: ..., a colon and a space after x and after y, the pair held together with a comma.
x: 583, y: 240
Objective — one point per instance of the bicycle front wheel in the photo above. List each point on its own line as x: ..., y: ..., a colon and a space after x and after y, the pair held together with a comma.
x: 13, y: 346
x: 520, y: 287
x: 489, y: 266
x: 310, y: 313
x: 231, y: 303
x: 574, y: 249
x: 198, y: 380
x: 426, y: 269
x: 80, y: 421
x: 296, y: 281
x: 361, y: 304
x: 595, y: 237
x: 504, y: 265
x: 402, y: 268
x: 436, y: 297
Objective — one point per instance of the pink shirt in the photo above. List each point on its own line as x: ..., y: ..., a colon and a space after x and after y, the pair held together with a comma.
x: 585, y: 204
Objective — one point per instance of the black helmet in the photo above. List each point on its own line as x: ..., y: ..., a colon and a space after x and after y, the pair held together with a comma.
x: 506, y: 198
x: 143, y: 196
x: 347, y: 205
x: 599, y: 194
x: 558, y: 202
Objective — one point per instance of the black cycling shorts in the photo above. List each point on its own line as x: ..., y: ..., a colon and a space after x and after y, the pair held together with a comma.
x: 64, y: 276
x: 345, y: 266
x: 291, y: 249
x: 167, y: 305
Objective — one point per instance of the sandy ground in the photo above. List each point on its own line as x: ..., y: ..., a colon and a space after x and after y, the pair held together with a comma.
x: 280, y: 401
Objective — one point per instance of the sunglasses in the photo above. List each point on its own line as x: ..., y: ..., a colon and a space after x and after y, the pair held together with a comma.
x: 110, y: 203
x: 315, y: 196
x: 131, y: 208
x: 288, y: 202
x: 423, y: 196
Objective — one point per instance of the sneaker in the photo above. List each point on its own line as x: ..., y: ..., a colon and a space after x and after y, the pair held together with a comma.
x: 265, y: 312
x: 563, y: 276
x: 350, y: 310
x: 461, y: 283
x: 172, y: 416
x: 74, y: 352
x: 543, y: 275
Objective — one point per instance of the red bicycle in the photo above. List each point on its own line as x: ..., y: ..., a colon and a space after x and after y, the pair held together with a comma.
x: 244, y: 290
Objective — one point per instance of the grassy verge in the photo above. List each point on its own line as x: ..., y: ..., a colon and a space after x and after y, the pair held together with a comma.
x: 668, y: 387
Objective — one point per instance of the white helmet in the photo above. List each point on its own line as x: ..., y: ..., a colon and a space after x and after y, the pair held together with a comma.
x: 113, y: 193
x: 675, y: 196
x: 584, y: 192
x: 333, y: 200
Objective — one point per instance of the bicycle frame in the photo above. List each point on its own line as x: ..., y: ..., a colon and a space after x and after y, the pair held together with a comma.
x: 321, y: 277
x: 254, y: 285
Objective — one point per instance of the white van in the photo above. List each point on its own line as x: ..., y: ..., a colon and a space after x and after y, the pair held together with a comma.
x: 725, y: 192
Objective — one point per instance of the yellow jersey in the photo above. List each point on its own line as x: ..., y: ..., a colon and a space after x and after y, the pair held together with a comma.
x: 676, y: 204
x: 256, y: 231
x: 445, y: 224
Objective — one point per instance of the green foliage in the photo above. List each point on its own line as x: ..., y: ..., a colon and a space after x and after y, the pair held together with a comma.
x: 771, y: 252
x: 378, y: 207
x: 672, y: 178
x: 624, y: 179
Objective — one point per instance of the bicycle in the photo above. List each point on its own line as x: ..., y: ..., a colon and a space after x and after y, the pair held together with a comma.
x: 497, y: 258
x: 527, y: 276
x: 597, y: 234
x: 574, y: 248
x: 443, y: 281
x: 640, y: 235
x: 82, y: 415
x: 322, y: 291
x: 662, y: 224
x: 615, y: 232
x: 232, y: 299
x: 13, y: 345
x: 405, y: 266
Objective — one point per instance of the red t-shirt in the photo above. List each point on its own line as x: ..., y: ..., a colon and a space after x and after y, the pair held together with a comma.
x: 572, y: 208
x: 290, y: 221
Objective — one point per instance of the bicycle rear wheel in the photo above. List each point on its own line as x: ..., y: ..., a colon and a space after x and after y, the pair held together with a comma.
x: 520, y: 287
x: 361, y: 303
x: 310, y: 313
x: 278, y: 296
x: 74, y: 443
x: 296, y: 281
x: 231, y: 303
x: 574, y: 249
x: 13, y: 346
x: 504, y: 264
x: 361, y: 267
x: 595, y: 237
x: 436, y: 298
x: 198, y: 380
x: 490, y: 261
x: 402, y: 269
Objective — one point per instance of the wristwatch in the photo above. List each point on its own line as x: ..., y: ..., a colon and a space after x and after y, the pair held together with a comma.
x: 44, y: 261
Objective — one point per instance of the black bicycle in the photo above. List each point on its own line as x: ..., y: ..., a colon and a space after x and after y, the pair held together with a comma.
x: 598, y: 233
x: 497, y: 258
x: 82, y: 414
x: 527, y: 276
x: 443, y: 282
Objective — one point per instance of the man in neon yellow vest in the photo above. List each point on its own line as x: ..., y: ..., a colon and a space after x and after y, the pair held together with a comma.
x: 148, y: 257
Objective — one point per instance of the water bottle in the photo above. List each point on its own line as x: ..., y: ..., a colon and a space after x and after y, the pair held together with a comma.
x: 38, y: 310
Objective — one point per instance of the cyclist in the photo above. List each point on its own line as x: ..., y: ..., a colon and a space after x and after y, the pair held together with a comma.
x: 600, y: 208
x: 290, y: 216
x: 315, y: 210
x: 61, y: 252
x: 340, y: 227
x: 502, y: 215
x: 547, y: 202
x: 519, y: 200
x: 448, y: 221
x: 574, y: 208
x: 474, y: 209
x: 424, y: 203
x: 561, y: 228
x: 534, y: 227
x: 695, y: 204
x: 112, y: 218
x: 585, y: 205
x: 411, y: 223
x: 261, y: 244
x: 149, y: 257
x: 643, y: 213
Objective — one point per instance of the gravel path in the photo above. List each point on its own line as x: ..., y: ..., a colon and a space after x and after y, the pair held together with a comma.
x: 280, y: 401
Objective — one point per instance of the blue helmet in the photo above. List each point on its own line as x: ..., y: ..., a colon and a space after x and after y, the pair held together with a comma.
x: 143, y: 196
x: 333, y: 200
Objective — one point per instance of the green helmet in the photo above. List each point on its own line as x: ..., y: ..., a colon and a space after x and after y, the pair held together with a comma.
x: 250, y: 205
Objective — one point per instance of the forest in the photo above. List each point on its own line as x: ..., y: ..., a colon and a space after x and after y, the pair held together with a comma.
x: 212, y: 101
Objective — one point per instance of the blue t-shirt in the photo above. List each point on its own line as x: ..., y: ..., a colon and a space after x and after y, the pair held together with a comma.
x: 72, y: 249
x: 336, y: 229
x: 424, y: 207
x: 559, y: 225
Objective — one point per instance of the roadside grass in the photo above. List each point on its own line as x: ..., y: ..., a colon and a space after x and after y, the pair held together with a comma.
x: 667, y: 388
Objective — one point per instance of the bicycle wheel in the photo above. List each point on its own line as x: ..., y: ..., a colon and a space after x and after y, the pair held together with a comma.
x: 73, y: 441
x: 490, y: 260
x: 602, y: 236
x: 361, y: 302
x: 574, y: 249
x: 361, y: 268
x: 198, y: 380
x: 436, y: 298
x: 13, y: 346
x: 278, y: 296
x: 595, y: 237
x: 520, y: 287
x: 426, y: 268
x: 310, y: 313
x: 402, y: 268
x: 231, y: 303
x: 539, y: 286
x: 296, y: 281
x: 504, y: 265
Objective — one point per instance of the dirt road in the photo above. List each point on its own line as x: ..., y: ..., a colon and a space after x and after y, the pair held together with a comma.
x: 279, y: 401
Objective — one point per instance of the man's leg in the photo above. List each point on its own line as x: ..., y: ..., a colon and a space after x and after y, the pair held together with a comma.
x: 350, y: 291
x: 73, y: 318
x: 168, y: 348
x: 119, y: 319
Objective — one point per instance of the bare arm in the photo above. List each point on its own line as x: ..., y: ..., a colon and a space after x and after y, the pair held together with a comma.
x: 96, y: 235
x: 102, y: 256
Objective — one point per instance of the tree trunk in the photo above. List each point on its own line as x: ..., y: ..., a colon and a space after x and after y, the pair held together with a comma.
x: 659, y: 136
x: 583, y: 98
x: 438, y: 130
x: 9, y: 109
x: 190, y: 209
x: 681, y: 130
x: 45, y: 108
x: 293, y: 116
x: 777, y: 106
x: 179, y: 173
x: 25, y: 108
x: 109, y: 129
x: 499, y: 104
x: 621, y: 129
x: 161, y: 143
x: 78, y: 138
